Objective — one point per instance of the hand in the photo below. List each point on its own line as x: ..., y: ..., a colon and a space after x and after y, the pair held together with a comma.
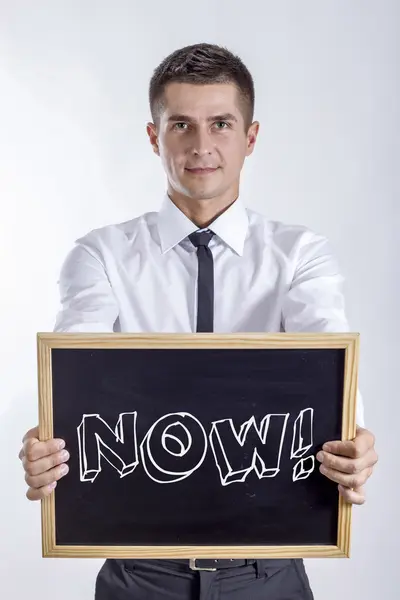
x: 350, y: 464
x: 43, y: 462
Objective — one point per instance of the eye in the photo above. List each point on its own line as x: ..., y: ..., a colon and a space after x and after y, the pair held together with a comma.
x: 176, y: 126
x: 222, y: 123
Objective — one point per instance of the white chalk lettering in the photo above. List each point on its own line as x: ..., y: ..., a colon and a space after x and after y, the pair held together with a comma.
x: 302, y: 433
x: 262, y: 447
x: 302, y: 441
x: 176, y: 435
x: 176, y: 445
x: 97, y: 439
x: 303, y: 468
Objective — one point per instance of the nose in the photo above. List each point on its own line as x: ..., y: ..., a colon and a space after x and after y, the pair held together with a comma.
x: 201, y: 143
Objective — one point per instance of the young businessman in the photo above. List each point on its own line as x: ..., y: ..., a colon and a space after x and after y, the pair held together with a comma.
x: 204, y: 262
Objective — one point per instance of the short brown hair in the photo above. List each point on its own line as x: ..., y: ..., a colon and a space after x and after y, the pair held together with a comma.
x: 202, y: 64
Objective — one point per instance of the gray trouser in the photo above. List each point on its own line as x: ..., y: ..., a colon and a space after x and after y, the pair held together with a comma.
x: 276, y: 579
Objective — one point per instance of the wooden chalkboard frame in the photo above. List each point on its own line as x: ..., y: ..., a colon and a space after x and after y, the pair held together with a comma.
x: 349, y: 342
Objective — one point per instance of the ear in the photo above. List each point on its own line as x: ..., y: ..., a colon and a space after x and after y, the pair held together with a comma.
x: 153, y: 136
x: 252, y: 137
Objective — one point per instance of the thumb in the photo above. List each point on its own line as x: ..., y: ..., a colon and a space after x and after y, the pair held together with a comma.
x: 32, y: 433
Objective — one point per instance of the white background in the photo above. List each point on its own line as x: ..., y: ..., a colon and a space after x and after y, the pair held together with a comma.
x: 74, y: 155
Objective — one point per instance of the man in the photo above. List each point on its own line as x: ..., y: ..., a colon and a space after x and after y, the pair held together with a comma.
x: 203, y: 263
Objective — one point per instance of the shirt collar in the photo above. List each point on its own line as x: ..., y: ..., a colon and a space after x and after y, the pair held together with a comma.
x: 174, y: 226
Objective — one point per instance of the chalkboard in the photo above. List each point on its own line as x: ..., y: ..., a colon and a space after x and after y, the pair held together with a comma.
x: 196, y: 445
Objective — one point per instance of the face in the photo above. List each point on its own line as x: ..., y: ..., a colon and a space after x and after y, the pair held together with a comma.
x: 201, y: 140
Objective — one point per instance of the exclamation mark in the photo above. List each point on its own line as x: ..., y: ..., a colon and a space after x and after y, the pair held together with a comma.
x: 301, y: 444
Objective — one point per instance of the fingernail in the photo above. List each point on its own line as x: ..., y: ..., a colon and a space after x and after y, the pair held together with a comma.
x: 320, y: 456
x: 61, y: 444
x: 64, y: 469
x: 52, y: 485
x: 326, y: 447
x: 64, y: 455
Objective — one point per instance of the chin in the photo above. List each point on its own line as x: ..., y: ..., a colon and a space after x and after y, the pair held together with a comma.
x: 197, y: 192
x: 202, y: 194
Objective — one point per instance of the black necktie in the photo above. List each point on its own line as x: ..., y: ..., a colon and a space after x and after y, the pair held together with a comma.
x: 205, y: 280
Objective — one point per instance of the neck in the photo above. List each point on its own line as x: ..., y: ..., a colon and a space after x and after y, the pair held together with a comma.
x: 202, y: 212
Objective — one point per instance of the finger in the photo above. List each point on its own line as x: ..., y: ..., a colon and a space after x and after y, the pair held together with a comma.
x: 47, y: 478
x: 34, y: 449
x: 355, y: 448
x: 349, y: 481
x: 38, y: 494
x: 356, y: 496
x: 346, y: 448
x: 42, y: 465
x: 347, y: 465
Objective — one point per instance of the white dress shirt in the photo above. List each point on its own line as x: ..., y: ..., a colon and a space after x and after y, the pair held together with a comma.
x: 141, y: 276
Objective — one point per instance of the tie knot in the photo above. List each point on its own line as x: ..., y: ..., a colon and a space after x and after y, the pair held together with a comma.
x: 201, y: 238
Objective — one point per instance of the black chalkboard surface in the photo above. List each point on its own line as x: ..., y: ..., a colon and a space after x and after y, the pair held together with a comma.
x: 196, y: 445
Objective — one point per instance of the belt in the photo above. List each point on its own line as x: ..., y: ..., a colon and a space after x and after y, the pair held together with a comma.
x: 211, y: 564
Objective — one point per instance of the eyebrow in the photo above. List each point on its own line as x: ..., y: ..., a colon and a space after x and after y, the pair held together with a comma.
x: 222, y: 117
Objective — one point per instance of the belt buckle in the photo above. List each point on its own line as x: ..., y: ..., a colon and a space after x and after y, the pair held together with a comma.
x: 192, y: 565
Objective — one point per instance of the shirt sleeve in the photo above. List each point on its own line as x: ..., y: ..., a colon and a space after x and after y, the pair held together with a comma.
x: 315, y: 300
x: 87, y: 300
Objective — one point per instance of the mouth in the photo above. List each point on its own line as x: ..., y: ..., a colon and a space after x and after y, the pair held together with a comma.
x: 200, y: 171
